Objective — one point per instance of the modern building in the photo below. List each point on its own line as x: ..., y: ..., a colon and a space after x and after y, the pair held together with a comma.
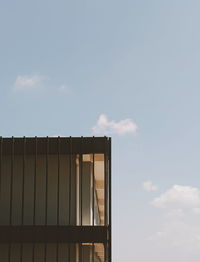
x: 55, y: 199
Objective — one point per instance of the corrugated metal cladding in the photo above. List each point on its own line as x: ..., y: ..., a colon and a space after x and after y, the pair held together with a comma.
x: 59, y: 181
x: 52, y: 252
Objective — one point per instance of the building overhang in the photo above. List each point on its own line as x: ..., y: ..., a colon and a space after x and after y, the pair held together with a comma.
x: 55, y: 145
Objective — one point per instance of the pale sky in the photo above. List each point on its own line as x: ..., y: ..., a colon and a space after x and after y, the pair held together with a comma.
x: 127, y: 69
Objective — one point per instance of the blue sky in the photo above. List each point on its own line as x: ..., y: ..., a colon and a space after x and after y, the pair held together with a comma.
x: 63, y: 64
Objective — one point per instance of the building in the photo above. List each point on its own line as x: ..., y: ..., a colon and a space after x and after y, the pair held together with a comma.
x: 55, y: 199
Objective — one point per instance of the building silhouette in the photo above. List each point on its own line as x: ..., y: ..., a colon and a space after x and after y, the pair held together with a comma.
x: 55, y: 199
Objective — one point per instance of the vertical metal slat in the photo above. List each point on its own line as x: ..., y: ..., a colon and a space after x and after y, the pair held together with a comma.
x: 46, y: 197
x: 80, y: 252
x: 105, y: 251
x: 21, y: 252
x: 105, y: 180
x: 33, y: 253
x: 34, y: 197
x: 81, y: 181
x: 57, y: 252
x: 93, y: 181
x: 1, y: 151
x: 23, y: 181
x: 58, y: 186
x: 34, y: 185
x: 46, y: 186
x: 9, y: 252
x: 11, y: 180
x: 110, y: 204
x: 69, y: 252
x: 58, y: 198
x: 45, y: 252
x: 23, y: 184
x: 70, y: 175
x: 93, y: 250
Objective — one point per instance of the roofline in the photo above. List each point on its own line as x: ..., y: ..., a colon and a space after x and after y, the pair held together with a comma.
x: 54, y: 145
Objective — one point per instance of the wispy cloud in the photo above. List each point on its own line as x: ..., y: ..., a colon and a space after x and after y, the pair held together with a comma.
x: 30, y: 83
x: 178, y: 233
x: 149, y: 186
x: 106, y: 127
x: 64, y: 89
x: 27, y: 83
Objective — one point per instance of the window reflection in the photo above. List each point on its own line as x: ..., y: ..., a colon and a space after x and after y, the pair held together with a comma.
x: 92, y: 193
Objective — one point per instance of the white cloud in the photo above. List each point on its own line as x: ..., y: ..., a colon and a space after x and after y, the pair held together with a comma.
x: 149, y: 186
x: 35, y: 82
x: 176, y: 235
x: 178, y: 228
x: 184, y: 197
x: 106, y: 127
x: 25, y: 83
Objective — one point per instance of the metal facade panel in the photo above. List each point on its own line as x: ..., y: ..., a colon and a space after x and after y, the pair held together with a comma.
x: 38, y: 192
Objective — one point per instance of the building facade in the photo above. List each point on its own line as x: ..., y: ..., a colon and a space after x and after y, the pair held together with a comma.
x: 55, y: 199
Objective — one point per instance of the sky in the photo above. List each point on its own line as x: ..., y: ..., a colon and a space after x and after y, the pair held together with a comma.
x: 127, y: 69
